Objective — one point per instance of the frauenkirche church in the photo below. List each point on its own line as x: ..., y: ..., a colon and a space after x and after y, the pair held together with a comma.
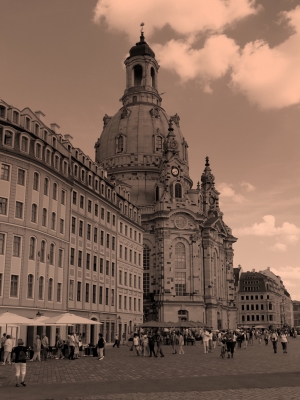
x: 187, y: 255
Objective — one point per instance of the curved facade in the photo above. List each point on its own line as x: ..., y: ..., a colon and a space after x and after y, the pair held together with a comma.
x: 188, y: 255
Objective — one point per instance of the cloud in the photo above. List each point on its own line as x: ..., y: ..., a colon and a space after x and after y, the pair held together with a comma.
x: 270, y: 77
x: 279, y: 247
x: 226, y: 190
x: 248, y: 187
x: 288, y: 233
x: 185, y: 17
x: 291, y: 279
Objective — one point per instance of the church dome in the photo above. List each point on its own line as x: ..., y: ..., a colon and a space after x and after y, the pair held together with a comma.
x: 141, y: 49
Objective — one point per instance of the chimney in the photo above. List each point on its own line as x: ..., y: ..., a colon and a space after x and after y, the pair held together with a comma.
x: 68, y: 137
x: 40, y: 115
x: 269, y: 268
x: 253, y: 270
x: 54, y: 127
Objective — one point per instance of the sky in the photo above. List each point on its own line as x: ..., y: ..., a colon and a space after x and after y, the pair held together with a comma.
x: 229, y: 68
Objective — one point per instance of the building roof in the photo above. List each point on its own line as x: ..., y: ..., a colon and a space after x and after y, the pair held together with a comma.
x: 141, y: 48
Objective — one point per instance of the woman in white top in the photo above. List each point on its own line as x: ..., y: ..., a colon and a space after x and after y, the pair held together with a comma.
x: 8, y: 345
x: 283, y: 340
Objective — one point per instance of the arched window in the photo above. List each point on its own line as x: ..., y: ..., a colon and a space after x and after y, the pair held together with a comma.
x: 138, y: 75
x: 46, y: 186
x: 8, y: 138
x: 82, y: 175
x: 48, y: 156
x: 180, y: 262
x: 30, y: 286
x: 51, y: 254
x: 76, y: 171
x: 53, y: 221
x: 38, y: 150
x: 34, y: 213
x: 41, y: 288
x: 2, y: 111
x: 158, y: 143
x: 157, y: 193
x: 32, y: 248
x: 50, y: 289
x: 153, y: 77
x: 178, y: 191
x: 146, y: 257
x: 120, y: 144
x: 43, y: 251
x: 54, y: 191
x: 36, y: 181
x: 24, y: 144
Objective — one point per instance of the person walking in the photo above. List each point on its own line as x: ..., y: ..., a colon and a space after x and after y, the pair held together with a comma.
x: 136, y: 344
x: 206, y: 341
x: 100, y: 347
x: 59, y: 345
x: 117, y: 342
x: 274, y: 340
x: 36, y: 349
x: 71, y: 346
x: 284, y: 341
x: 145, y: 343
x: 45, y: 346
x: 8, y: 345
x: 151, y: 340
x: 228, y: 337
x: 19, y: 358
x: 76, y: 346
x: 174, y: 342
x: 159, y: 340
x: 180, y: 343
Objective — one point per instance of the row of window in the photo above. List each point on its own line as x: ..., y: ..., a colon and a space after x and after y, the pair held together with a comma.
x: 135, y: 282
x: 46, y: 191
x: 92, y: 263
x: 128, y: 232
x: 254, y: 297
x: 179, y: 256
x: 136, y: 303
x: 15, y: 286
x: 257, y: 318
x: 91, y: 291
x: 251, y: 306
x: 180, y: 283
x: 130, y: 255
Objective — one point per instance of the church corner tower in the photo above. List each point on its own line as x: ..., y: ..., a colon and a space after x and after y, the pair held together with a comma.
x: 188, y: 256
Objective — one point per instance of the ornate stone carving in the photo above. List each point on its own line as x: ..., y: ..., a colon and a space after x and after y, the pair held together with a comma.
x: 106, y: 120
x: 154, y: 112
x: 176, y: 119
x: 125, y: 112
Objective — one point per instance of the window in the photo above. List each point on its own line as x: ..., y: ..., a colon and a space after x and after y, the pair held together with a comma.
x: 72, y: 256
x: 134, y: 259
x: 120, y: 144
x: 120, y: 277
x: 134, y: 281
x: 50, y: 289
x: 112, y: 297
x: 108, y: 217
x: 2, y: 112
x: 79, y: 258
x: 75, y: 198
x: 41, y: 288
x: 63, y: 197
x: 78, y: 291
x: 71, y: 290
x: 139, y: 282
x: 17, y: 246
x: 44, y: 217
x: 113, y: 243
x: 32, y: 248
x: 81, y: 204
x: 125, y: 302
x: 243, y: 307
x: 120, y: 301
x: 60, y: 258
x: 96, y: 210
x: 180, y: 283
x: 121, y: 227
x: 48, y: 156
x: 107, y: 240
x: 21, y: 177
x: 87, y: 292
x: 27, y: 123
x: 15, y: 117
x: 134, y: 304
x: 256, y: 307
x: 95, y: 264
x: 56, y: 162
x: 102, y: 238
x: 5, y: 170
x: 46, y: 186
x: 53, y: 221
x: 3, y: 206
x: 146, y: 257
x: 30, y: 286
x: 248, y: 308
x: 158, y: 143
x: 130, y: 280
x: 126, y: 230
x: 178, y: 191
x: 139, y: 302
x: 38, y: 150
x: 125, y: 253
x: 80, y: 229
x: 24, y: 144
x: 51, y: 254
x: 130, y: 255
x: 19, y: 210
x: 95, y: 235
x: 102, y: 213
x: 8, y: 138
x: 14, y: 283
x: 54, y: 191
x: 114, y: 220
x: 88, y: 233
x: 140, y: 238
x: 125, y: 278
x: 180, y: 262
x: 58, y: 297
x: 73, y: 225
x: 94, y: 294
x: 65, y: 168
x: 107, y: 267
x: 36, y: 181
x: 61, y: 226
x: 101, y: 266
x: 2, y: 243
x: 129, y: 303
x: 112, y: 269
x: 88, y: 261
x: 106, y: 296
x: 261, y: 306
x: 82, y: 175
x: 100, y: 294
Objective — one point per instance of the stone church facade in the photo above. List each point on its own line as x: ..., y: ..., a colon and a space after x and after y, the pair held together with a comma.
x: 188, y: 254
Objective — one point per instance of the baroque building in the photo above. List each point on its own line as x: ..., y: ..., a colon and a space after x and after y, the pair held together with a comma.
x: 61, y: 224
x: 188, y: 254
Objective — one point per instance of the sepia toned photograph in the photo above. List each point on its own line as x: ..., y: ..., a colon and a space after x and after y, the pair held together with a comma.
x: 149, y: 199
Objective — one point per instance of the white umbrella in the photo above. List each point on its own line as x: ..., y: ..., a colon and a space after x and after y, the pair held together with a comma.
x: 11, y: 319
x: 70, y: 319
x: 41, y: 321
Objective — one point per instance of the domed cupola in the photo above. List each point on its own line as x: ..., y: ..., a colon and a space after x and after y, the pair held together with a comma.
x: 141, y: 48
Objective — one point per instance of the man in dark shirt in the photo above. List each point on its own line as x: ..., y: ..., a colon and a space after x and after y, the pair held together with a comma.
x: 151, y: 339
x: 19, y: 358
x: 100, y: 346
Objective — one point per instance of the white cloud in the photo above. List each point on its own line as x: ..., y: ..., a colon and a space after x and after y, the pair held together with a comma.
x: 279, y: 247
x: 226, y: 190
x: 185, y: 17
x: 288, y: 232
x: 290, y: 278
x: 248, y: 187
